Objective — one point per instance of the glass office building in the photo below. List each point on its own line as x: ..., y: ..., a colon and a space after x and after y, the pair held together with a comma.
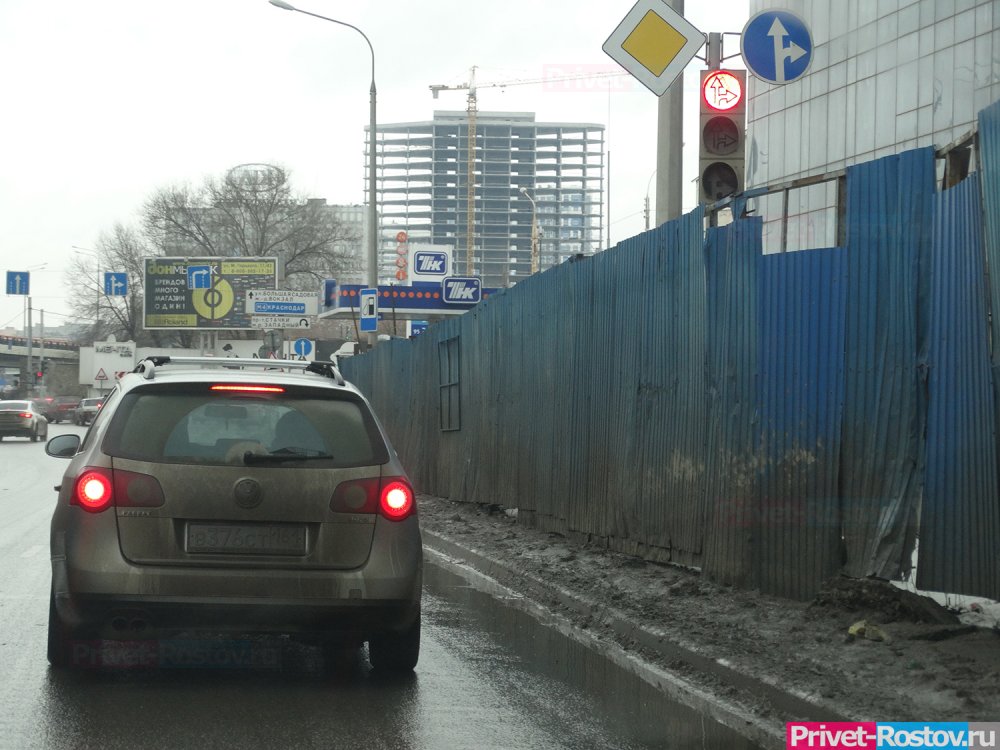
x: 422, y: 187
x: 886, y: 76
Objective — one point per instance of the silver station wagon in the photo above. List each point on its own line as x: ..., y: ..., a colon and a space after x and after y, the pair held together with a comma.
x: 235, y: 498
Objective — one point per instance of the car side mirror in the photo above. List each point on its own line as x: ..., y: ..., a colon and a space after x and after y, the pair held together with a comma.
x: 63, y: 446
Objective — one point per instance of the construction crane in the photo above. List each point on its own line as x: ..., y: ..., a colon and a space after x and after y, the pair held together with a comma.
x: 472, y: 110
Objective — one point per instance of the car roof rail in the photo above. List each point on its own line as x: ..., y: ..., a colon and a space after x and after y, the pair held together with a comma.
x: 147, y: 366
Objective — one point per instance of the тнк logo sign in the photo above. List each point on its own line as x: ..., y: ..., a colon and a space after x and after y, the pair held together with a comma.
x: 431, y: 263
x: 462, y: 290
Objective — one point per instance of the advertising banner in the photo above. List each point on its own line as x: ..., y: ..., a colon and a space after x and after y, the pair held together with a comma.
x: 203, y: 293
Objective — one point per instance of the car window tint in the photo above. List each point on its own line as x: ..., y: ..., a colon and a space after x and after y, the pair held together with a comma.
x: 208, y: 428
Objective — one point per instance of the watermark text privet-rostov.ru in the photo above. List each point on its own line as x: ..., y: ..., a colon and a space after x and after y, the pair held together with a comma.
x: 862, y: 735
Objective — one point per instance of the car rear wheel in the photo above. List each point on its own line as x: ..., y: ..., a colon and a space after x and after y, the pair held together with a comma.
x: 34, y: 434
x: 396, y: 652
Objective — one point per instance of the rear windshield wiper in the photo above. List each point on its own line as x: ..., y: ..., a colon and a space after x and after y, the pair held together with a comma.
x: 285, y: 454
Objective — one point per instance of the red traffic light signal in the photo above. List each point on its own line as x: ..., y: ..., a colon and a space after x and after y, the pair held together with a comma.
x: 722, y: 103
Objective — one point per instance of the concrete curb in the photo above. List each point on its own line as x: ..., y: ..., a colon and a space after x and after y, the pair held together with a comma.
x: 537, y: 597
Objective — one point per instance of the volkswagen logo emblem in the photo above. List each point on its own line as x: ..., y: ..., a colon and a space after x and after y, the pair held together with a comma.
x: 247, y: 493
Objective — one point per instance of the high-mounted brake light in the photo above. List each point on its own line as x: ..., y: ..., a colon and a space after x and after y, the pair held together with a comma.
x: 249, y: 388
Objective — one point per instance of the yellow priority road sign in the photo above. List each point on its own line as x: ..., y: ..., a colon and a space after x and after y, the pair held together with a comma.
x: 654, y: 43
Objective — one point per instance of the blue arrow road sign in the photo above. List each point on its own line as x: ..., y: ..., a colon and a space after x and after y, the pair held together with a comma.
x: 776, y: 46
x: 18, y: 282
x: 302, y: 347
x: 115, y: 284
x: 369, y: 310
x: 199, y: 277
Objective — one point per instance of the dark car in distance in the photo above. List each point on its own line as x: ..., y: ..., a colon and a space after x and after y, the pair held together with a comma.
x: 63, y: 408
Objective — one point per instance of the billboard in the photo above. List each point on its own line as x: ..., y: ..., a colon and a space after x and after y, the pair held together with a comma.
x: 203, y: 293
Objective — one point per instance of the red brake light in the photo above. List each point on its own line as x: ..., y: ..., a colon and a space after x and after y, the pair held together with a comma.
x: 25, y: 414
x: 396, y: 499
x: 96, y: 489
x: 92, y: 491
x: 390, y: 496
x: 249, y: 388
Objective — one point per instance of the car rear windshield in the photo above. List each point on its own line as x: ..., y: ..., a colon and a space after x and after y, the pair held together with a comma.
x: 193, y: 424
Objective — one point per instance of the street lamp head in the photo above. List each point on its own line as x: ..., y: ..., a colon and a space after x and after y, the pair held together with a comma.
x: 283, y: 5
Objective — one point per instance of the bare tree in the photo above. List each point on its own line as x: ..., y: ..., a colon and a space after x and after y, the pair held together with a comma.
x: 252, y: 211
x: 121, y: 250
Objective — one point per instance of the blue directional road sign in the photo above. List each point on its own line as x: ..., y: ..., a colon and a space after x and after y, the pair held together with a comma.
x: 369, y: 310
x: 18, y: 282
x: 199, y: 277
x: 302, y: 347
x: 279, y: 308
x: 115, y: 284
x: 776, y: 46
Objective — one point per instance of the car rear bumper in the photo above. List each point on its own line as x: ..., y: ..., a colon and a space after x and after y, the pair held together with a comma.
x: 96, y: 589
x: 121, y: 617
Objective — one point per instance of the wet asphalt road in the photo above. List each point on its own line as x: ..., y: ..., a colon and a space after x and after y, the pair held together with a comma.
x: 489, y: 676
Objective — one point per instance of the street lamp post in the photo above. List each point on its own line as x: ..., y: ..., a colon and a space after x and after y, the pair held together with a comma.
x: 372, y: 213
x: 534, y: 231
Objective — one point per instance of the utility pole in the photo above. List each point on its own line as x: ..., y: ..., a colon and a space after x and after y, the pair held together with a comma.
x: 31, y: 370
x: 669, y: 145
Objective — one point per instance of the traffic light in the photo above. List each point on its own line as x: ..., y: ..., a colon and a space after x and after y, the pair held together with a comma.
x: 722, y: 102
x: 44, y: 366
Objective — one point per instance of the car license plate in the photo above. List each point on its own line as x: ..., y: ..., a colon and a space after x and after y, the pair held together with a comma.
x: 247, y: 539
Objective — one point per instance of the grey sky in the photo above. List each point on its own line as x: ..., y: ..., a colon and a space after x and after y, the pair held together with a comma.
x: 106, y: 101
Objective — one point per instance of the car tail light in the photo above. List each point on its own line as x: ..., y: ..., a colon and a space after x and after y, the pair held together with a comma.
x: 248, y: 388
x: 390, y: 496
x: 134, y: 490
x: 92, y: 491
x: 25, y: 414
x: 97, y: 489
x: 396, y: 499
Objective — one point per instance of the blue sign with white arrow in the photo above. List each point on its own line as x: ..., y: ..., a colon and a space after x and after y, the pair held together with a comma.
x: 199, y: 277
x: 115, y: 284
x: 776, y: 46
x: 18, y: 282
x: 302, y: 347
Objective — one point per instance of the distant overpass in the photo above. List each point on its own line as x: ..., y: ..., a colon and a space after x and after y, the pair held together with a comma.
x: 14, y: 351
